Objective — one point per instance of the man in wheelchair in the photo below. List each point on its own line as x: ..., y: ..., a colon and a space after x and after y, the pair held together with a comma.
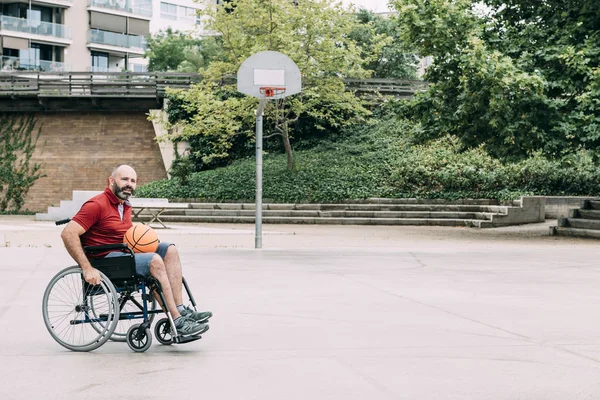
x: 103, y: 220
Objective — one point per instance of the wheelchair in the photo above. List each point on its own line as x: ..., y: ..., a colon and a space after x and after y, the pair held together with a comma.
x: 82, y: 317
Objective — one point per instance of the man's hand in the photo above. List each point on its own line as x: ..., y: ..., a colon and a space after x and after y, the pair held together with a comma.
x: 92, y: 276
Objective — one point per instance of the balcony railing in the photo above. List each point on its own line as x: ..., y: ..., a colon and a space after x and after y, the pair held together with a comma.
x: 34, y: 27
x: 104, y: 69
x: 117, y: 39
x: 137, y: 7
x: 26, y: 64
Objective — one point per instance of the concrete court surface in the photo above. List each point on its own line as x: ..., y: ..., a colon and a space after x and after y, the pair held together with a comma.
x: 331, y: 312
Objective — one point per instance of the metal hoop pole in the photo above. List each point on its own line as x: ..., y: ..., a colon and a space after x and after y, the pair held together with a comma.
x: 259, y: 145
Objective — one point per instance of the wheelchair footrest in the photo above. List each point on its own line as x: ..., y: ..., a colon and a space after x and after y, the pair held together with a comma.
x: 185, y: 339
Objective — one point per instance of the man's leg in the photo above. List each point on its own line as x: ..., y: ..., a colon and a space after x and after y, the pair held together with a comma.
x: 173, y: 267
x: 147, y: 264
x: 158, y: 271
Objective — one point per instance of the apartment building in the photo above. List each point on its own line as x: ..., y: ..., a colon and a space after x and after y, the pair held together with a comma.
x: 86, y: 35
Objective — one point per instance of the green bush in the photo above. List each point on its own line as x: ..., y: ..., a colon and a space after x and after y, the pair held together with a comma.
x: 378, y: 160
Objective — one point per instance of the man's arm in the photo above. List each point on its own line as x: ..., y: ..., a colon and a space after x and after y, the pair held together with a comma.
x: 70, y: 236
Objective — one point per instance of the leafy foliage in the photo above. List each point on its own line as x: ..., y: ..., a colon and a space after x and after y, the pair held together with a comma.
x: 171, y: 50
x: 378, y: 159
x: 392, y: 61
x: 523, y: 78
x: 315, y: 36
x: 17, y: 174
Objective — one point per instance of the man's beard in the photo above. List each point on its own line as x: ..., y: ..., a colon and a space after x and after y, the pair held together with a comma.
x: 119, y: 191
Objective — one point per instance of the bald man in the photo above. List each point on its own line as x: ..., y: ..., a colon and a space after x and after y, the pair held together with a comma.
x: 104, y: 219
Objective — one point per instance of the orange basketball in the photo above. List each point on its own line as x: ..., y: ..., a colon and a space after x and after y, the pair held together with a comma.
x: 141, y: 239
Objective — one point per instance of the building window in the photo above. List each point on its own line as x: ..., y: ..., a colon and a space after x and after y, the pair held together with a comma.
x: 175, y: 12
x: 139, y: 68
x: 168, y: 10
x: 99, y: 61
x: 188, y: 13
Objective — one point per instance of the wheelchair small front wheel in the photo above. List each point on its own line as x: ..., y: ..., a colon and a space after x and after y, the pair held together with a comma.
x: 138, y: 339
x: 162, y: 331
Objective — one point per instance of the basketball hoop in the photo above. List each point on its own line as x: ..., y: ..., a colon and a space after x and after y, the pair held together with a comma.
x: 266, y: 75
x: 271, y: 91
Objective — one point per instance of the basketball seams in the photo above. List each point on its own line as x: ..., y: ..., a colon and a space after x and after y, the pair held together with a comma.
x: 136, y: 243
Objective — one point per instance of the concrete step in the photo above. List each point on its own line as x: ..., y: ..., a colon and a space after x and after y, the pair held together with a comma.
x: 353, y: 207
x: 586, y: 214
x: 567, y: 231
x: 580, y: 223
x: 329, y: 214
x: 399, y: 201
x: 328, y: 220
x: 591, y: 204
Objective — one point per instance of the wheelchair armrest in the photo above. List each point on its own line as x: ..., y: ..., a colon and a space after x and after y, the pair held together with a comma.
x: 107, y: 247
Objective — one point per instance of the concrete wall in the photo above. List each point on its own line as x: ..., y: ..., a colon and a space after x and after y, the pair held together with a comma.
x: 559, y: 206
x: 79, y: 151
x: 77, y: 55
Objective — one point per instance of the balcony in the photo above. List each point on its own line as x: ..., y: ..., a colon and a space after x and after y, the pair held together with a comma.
x: 55, y: 3
x: 26, y: 64
x: 135, y: 7
x: 35, y: 27
x: 125, y: 43
x: 50, y: 3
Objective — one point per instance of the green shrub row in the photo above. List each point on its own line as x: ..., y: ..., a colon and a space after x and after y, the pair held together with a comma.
x: 379, y: 161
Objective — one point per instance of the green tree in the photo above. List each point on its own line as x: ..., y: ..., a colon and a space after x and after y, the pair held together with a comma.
x: 393, y: 62
x: 520, y: 79
x: 171, y: 50
x: 314, y: 34
x: 17, y: 173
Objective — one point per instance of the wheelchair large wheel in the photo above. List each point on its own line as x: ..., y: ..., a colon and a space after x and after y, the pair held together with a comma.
x: 139, y: 340
x: 127, y: 306
x: 67, y: 310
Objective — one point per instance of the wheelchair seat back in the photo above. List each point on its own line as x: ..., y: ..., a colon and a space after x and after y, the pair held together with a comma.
x: 120, y: 270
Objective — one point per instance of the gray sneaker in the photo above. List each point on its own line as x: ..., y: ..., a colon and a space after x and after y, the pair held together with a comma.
x: 198, y: 316
x: 188, y: 327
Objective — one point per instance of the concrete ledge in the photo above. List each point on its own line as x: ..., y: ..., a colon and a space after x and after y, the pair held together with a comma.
x: 559, y: 206
x: 532, y: 210
x: 583, y: 233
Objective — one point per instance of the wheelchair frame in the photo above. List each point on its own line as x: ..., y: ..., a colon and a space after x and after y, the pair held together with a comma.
x: 82, y: 317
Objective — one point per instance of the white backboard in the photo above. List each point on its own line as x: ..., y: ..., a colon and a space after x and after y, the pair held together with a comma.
x: 269, y: 69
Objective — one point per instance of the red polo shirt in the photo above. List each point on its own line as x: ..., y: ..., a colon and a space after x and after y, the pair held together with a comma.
x: 99, y: 216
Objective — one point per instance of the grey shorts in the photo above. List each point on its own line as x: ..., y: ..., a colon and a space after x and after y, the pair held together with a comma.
x: 142, y: 260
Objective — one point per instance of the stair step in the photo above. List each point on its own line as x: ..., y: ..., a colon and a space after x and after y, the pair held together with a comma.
x: 352, y: 207
x: 331, y: 214
x: 399, y: 201
x: 588, y: 214
x: 566, y: 231
x: 330, y: 220
x: 582, y: 223
x: 593, y: 204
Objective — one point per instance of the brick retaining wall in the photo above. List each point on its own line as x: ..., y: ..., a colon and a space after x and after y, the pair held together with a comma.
x: 78, y: 151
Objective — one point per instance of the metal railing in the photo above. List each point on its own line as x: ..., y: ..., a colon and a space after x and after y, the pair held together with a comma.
x: 149, y: 85
x: 117, y: 39
x: 137, y: 7
x: 34, y: 27
x: 26, y: 64
x: 89, y: 84
x: 387, y: 86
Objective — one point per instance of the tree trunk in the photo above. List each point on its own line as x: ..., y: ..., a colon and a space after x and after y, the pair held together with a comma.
x: 288, y: 148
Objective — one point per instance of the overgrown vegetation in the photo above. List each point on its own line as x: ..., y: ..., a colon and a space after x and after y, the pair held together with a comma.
x: 379, y: 160
x: 511, y: 109
x: 520, y: 79
x: 18, y: 138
